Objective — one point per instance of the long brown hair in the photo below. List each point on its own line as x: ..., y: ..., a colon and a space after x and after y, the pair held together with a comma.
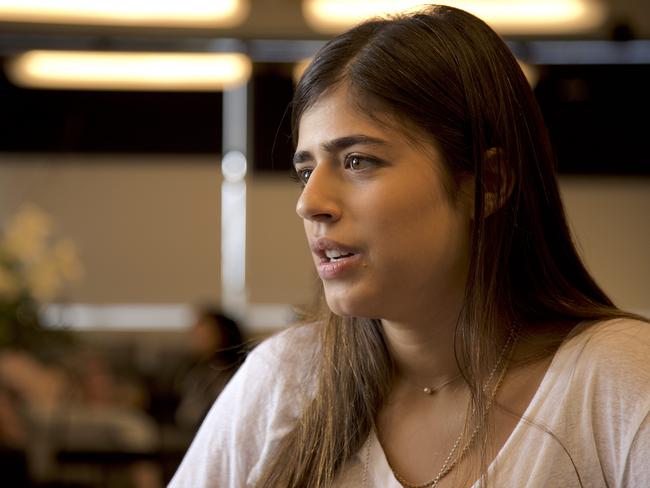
x: 446, y: 73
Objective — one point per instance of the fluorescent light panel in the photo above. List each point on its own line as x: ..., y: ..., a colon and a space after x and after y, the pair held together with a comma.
x: 146, y: 13
x: 505, y: 16
x: 84, y: 70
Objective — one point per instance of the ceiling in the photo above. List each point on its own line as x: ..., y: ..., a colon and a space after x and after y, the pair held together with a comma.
x: 277, y: 19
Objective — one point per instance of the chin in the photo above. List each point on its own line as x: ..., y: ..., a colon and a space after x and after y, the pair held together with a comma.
x: 349, y: 306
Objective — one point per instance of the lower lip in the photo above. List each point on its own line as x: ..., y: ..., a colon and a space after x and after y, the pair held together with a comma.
x: 336, y: 269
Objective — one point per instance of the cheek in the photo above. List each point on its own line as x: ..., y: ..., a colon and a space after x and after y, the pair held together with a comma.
x: 419, y: 238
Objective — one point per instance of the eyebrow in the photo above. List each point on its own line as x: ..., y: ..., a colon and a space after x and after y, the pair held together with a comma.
x: 336, y: 145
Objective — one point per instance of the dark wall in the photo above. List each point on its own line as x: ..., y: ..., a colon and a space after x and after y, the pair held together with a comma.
x: 598, y: 117
x: 108, y: 122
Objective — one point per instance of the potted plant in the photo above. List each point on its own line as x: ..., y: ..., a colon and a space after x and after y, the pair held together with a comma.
x: 34, y: 268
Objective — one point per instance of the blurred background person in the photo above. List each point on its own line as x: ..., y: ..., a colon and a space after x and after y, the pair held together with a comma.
x: 214, y: 354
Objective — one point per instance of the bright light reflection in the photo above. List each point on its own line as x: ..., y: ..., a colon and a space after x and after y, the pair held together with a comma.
x: 188, y: 13
x: 129, y: 71
x: 233, y: 166
x: 505, y: 16
x: 233, y: 241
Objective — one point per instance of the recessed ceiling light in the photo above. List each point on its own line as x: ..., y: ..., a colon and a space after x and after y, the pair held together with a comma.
x: 83, y: 70
x: 505, y: 16
x: 143, y: 13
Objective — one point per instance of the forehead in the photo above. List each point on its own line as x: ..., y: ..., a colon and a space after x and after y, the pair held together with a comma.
x: 333, y: 115
x: 340, y: 113
x: 342, y: 110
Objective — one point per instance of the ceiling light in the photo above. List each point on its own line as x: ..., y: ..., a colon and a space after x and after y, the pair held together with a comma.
x: 141, y: 13
x: 505, y: 16
x: 82, y: 70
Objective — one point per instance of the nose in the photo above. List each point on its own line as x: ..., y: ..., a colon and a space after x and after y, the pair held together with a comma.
x: 318, y: 201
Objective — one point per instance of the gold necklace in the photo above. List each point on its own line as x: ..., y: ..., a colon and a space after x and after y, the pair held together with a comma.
x: 448, y: 464
x: 430, y: 390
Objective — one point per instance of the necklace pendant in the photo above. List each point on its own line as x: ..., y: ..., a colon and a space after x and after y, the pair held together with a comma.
x: 428, y: 390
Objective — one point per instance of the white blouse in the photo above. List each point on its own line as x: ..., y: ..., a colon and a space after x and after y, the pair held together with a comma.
x: 594, y: 398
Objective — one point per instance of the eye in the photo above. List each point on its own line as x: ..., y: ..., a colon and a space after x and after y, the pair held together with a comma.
x: 356, y: 162
x: 302, y: 175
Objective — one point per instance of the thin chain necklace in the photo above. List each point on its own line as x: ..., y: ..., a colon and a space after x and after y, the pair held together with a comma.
x: 448, y: 464
x: 430, y: 390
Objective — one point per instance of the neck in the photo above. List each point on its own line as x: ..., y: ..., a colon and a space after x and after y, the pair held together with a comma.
x: 423, y: 351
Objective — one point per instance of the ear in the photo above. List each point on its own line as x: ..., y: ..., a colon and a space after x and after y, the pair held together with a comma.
x: 497, y: 182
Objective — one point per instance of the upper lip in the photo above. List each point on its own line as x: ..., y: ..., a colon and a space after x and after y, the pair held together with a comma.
x: 321, y: 244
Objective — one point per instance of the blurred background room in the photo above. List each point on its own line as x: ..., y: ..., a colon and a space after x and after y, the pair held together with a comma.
x: 148, y: 236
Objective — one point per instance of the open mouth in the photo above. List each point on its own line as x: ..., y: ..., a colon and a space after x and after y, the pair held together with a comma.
x: 332, y: 255
x: 329, y: 252
x: 335, y: 260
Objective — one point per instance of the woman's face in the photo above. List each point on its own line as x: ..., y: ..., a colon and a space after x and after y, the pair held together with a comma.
x: 386, y: 240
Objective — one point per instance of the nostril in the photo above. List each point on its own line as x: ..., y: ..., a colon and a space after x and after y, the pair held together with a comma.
x: 323, y: 216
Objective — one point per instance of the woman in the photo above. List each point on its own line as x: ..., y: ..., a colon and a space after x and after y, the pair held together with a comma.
x: 462, y: 338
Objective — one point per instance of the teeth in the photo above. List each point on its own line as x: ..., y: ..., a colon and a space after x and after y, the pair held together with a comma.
x: 335, y: 253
